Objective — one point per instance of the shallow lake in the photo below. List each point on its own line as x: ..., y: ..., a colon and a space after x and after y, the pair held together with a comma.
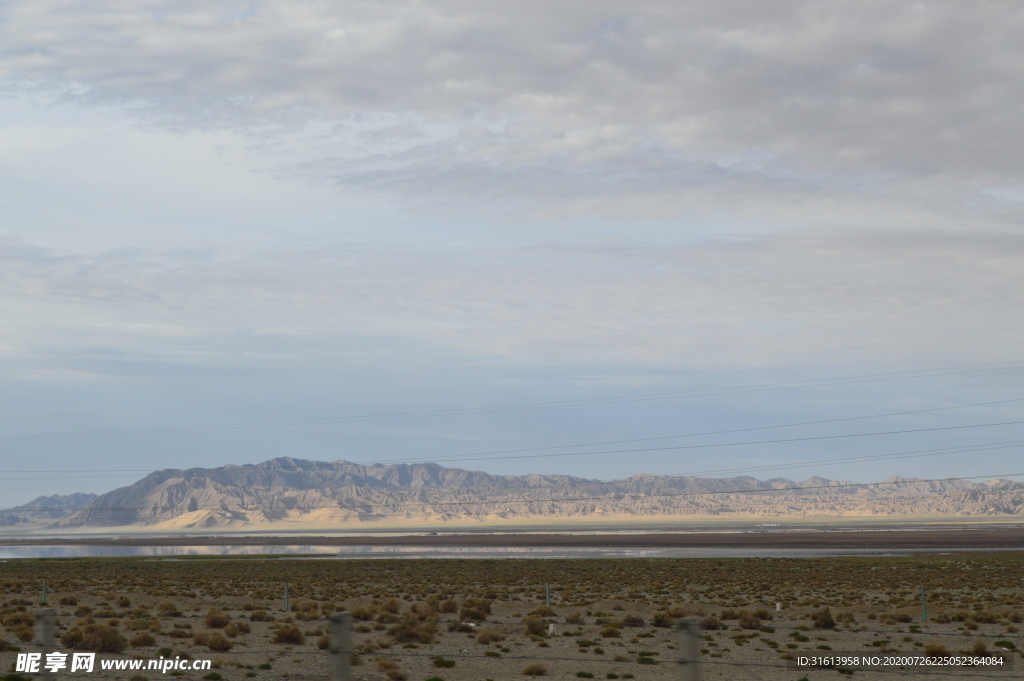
x: 366, y: 552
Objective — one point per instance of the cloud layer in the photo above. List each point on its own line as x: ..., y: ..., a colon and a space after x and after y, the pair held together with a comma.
x: 598, y: 106
x: 214, y: 212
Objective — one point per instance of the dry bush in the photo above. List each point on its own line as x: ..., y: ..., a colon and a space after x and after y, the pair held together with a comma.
x: 489, y: 636
x: 535, y: 627
x: 216, y: 619
x: 95, y: 637
x: 574, y: 618
x: 475, y: 609
x: 289, y: 634
x: 748, y: 621
x: 262, y: 616
x: 535, y: 669
x: 935, y: 650
x: 217, y: 642
x: 237, y: 628
x: 68, y: 600
x: 823, y: 619
x: 711, y: 623
x: 362, y: 613
x: 413, y: 632
x: 384, y: 664
x: 168, y: 609
x: 143, y: 639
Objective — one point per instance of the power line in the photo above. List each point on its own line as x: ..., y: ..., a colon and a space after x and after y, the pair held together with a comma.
x: 710, y: 392
x: 737, y: 444
x: 486, y: 456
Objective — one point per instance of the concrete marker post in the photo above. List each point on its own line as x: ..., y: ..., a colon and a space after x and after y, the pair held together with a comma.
x: 688, y: 648
x: 45, y: 629
x: 340, y: 632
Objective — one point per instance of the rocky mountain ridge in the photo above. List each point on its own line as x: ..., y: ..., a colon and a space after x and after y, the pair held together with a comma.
x: 296, y: 493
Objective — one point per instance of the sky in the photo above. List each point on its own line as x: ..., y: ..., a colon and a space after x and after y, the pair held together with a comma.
x: 253, y: 214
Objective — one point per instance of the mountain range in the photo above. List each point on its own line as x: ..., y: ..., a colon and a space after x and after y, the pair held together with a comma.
x: 287, y: 493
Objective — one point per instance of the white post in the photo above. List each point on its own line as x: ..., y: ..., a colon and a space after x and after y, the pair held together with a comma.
x: 45, y: 629
x: 341, y: 647
x: 688, y: 648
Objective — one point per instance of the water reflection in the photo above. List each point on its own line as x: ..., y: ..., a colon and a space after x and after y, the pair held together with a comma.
x: 364, y: 552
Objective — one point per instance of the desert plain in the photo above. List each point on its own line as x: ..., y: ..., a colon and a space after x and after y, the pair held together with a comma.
x: 473, y: 620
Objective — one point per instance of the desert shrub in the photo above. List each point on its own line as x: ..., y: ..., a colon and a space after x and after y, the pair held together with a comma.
x: 762, y: 614
x: 935, y: 650
x: 823, y: 619
x: 124, y: 602
x: 324, y: 642
x: 262, y: 616
x: 95, y: 637
x: 413, y: 632
x: 475, y: 609
x: 633, y: 621
x: 574, y: 618
x: 535, y: 669
x: 728, y: 614
x: 142, y: 640
x: 448, y: 606
x: 362, y: 613
x: 662, y: 619
x: 711, y: 623
x: 217, y: 642
x: 215, y: 619
x: 535, y: 627
x: 610, y: 632
x: 289, y: 634
x: 236, y: 628
x: 748, y: 621
x: 489, y: 636
x: 168, y: 609
x: 385, y: 664
x: 443, y: 663
x: 68, y: 600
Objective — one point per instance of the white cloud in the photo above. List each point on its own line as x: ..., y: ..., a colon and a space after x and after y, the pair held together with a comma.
x: 652, y: 100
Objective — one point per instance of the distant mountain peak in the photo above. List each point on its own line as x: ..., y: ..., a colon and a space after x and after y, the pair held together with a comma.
x: 294, y: 493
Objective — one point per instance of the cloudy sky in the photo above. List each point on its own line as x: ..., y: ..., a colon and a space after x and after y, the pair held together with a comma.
x: 231, y: 213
